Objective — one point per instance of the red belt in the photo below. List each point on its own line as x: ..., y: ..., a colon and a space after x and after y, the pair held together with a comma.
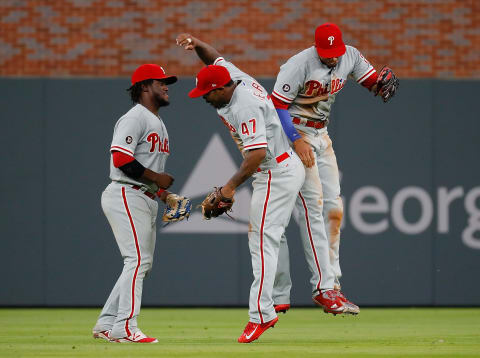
x: 147, y: 193
x: 314, y: 124
x: 279, y: 159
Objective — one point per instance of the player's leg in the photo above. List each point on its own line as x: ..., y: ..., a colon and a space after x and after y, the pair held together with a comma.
x: 272, y: 203
x: 147, y: 249
x: 315, y: 241
x: 309, y: 207
x: 332, y: 202
x: 333, y: 211
x: 131, y: 216
x: 312, y: 231
x: 109, y: 312
x: 283, y: 283
x: 263, y: 250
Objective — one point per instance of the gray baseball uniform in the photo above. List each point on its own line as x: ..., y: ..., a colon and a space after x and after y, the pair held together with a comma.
x: 132, y: 215
x: 253, y: 122
x: 310, y: 87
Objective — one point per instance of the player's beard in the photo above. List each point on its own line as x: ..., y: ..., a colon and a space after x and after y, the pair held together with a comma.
x: 330, y: 64
x: 218, y: 105
x: 161, y: 101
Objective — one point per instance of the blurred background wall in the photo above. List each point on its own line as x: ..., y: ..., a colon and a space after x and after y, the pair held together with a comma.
x: 109, y: 38
x: 410, y: 173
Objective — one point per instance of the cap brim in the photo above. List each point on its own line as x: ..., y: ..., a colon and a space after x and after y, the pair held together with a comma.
x: 197, y: 93
x: 334, y: 52
x: 169, y: 80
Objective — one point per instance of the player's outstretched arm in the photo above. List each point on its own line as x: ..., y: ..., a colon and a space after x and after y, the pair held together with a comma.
x: 221, y: 199
x: 250, y: 163
x: 205, y: 52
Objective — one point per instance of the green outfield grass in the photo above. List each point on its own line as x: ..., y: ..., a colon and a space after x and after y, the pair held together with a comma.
x: 302, y: 332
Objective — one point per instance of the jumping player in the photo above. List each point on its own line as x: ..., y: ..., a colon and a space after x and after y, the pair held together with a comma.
x: 304, y: 92
x: 139, y: 149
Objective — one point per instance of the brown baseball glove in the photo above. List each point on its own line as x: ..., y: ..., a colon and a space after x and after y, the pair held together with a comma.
x: 387, y: 84
x: 215, y: 204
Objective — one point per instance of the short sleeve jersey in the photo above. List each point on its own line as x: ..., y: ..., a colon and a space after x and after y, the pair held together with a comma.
x: 310, y: 86
x: 251, y: 117
x: 141, y: 134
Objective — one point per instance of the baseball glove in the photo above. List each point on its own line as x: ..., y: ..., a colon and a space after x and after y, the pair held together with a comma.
x: 215, y: 204
x: 387, y: 84
x: 178, y: 208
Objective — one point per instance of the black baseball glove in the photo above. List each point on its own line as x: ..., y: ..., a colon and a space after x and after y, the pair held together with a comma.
x: 387, y: 84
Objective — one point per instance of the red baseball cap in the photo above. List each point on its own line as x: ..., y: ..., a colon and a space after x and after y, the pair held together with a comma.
x: 209, y: 78
x: 152, y: 72
x: 328, y: 41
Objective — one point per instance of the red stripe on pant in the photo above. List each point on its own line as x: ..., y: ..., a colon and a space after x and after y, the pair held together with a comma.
x: 138, y: 260
x: 261, y: 244
x: 311, y: 239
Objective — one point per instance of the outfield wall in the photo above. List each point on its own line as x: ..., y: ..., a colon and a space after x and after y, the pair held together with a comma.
x: 410, y: 181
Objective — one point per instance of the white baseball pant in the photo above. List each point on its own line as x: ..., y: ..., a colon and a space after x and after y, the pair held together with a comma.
x: 273, y: 199
x: 320, y: 211
x: 132, y: 216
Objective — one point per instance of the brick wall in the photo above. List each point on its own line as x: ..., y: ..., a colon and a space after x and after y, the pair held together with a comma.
x: 418, y: 38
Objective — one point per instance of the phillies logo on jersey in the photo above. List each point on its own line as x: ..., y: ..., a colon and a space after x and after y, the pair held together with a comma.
x: 314, y: 88
x: 229, y: 126
x: 155, y: 141
x: 337, y: 84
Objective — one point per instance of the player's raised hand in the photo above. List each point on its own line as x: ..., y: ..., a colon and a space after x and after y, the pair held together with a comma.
x: 164, y: 180
x: 187, y: 41
x: 205, y: 52
x: 305, y: 152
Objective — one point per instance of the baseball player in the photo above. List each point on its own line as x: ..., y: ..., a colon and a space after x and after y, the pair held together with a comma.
x: 140, y: 148
x: 304, y: 92
x: 246, y: 109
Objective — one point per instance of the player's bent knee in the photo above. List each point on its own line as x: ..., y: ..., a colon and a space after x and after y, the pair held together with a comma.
x: 145, y: 266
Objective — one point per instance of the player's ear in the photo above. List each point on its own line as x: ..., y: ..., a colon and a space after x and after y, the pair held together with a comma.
x: 146, y: 87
